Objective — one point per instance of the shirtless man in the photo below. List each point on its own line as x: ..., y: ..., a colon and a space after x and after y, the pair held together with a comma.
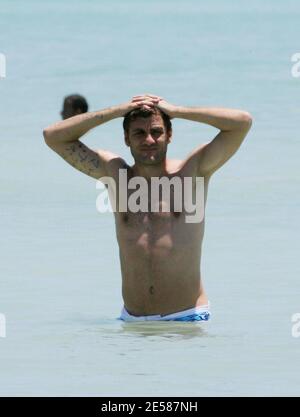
x: 160, y: 252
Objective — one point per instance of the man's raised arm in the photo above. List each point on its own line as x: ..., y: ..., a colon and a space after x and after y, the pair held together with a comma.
x: 233, y: 124
x: 63, y: 137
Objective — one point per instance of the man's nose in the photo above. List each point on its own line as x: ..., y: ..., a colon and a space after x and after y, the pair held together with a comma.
x: 150, y: 140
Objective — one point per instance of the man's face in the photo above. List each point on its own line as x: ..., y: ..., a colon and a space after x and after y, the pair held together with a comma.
x: 148, y: 140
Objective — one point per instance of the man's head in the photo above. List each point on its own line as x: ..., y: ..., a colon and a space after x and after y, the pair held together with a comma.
x: 73, y: 105
x: 147, y: 133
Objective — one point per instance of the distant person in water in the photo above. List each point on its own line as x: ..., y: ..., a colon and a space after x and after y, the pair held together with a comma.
x: 74, y: 105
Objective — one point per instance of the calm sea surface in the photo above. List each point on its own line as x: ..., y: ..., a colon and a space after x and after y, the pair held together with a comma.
x: 60, y: 284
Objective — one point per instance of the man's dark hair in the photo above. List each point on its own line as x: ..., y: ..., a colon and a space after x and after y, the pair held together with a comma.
x: 145, y: 113
x: 77, y: 102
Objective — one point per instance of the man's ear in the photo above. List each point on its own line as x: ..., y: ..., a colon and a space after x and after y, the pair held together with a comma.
x: 169, y: 134
x: 126, y: 137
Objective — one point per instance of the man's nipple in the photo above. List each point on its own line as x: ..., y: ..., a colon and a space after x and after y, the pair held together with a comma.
x: 125, y: 218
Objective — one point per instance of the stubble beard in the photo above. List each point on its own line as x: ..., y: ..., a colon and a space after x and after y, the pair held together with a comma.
x: 155, y: 159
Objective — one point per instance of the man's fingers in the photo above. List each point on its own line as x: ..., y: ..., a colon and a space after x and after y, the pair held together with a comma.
x: 146, y: 101
x: 152, y: 96
x: 153, y: 100
x: 141, y: 102
x: 144, y: 106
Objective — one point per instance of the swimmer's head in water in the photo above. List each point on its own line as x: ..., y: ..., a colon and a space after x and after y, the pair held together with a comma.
x: 147, y: 133
x: 74, y: 105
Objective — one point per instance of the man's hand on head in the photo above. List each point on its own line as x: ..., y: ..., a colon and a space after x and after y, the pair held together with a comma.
x: 149, y: 101
x: 146, y: 101
x: 167, y: 108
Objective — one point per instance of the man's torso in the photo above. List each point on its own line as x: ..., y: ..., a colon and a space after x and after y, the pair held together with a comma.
x: 160, y: 254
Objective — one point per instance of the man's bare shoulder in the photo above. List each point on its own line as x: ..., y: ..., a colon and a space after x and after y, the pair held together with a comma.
x: 174, y: 165
x: 187, y: 167
x: 113, y: 161
x: 191, y: 162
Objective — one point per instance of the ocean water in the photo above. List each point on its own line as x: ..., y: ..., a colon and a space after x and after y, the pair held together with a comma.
x: 60, y: 283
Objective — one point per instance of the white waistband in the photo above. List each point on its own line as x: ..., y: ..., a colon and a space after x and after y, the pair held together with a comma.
x: 195, y: 310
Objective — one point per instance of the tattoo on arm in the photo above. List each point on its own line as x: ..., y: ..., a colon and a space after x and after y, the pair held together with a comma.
x: 82, y: 158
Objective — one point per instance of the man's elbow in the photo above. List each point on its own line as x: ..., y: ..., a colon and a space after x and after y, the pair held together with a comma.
x: 50, y: 137
x: 245, y: 120
x: 47, y: 134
